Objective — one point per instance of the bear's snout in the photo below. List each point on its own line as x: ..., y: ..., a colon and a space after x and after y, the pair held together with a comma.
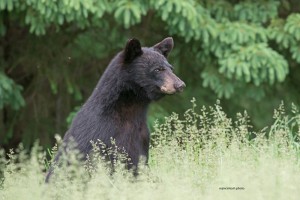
x: 172, y: 85
x: 179, y: 86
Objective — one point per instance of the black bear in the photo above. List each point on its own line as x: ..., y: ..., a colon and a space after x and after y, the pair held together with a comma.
x: 118, y: 105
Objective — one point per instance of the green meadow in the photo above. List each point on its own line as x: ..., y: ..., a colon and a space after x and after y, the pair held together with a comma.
x: 202, y: 154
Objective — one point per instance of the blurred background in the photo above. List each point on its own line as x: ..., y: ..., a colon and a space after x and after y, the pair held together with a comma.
x: 53, y: 52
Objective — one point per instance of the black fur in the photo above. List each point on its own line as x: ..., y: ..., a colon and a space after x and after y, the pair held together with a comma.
x: 118, y: 105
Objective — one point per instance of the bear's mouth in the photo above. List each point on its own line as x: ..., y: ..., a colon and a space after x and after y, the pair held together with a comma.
x: 167, y: 90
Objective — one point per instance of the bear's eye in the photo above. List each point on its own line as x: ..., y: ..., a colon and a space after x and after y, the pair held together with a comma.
x: 160, y: 69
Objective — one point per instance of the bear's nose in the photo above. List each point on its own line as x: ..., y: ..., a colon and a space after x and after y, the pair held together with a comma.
x: 179, y: 86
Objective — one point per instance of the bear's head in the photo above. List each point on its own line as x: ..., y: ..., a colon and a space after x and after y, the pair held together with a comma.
x: 149, y: 69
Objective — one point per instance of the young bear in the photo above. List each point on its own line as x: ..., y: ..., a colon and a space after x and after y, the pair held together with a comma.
x: 118, y: 105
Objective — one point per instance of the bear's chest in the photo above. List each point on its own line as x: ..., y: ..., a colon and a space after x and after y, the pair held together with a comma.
x: 133, y: 132
x: 133, y: 136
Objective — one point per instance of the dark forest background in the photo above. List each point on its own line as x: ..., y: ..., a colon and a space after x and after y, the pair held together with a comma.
x: 52, y: 54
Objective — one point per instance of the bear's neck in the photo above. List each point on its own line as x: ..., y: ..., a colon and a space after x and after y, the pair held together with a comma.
x: 129, y: 106
x: 120, y: 101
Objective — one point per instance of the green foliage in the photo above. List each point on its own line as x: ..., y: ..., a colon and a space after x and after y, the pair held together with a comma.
x: 72, y: 115
x: 206, y: 153
x: 241, y: 48
x: 40, y: 15
x: 286, y: 34
x: 256, y: 63
x: 129, y: 13
x: 246, y: 52
x: 256, y: 12
x: 10, y: 93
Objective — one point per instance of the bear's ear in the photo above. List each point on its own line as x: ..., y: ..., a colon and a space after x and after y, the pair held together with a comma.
x: 165, y: 46
x: 132, y: 50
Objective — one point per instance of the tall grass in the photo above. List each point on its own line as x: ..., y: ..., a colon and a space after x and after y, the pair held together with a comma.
x: 204, y: 155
